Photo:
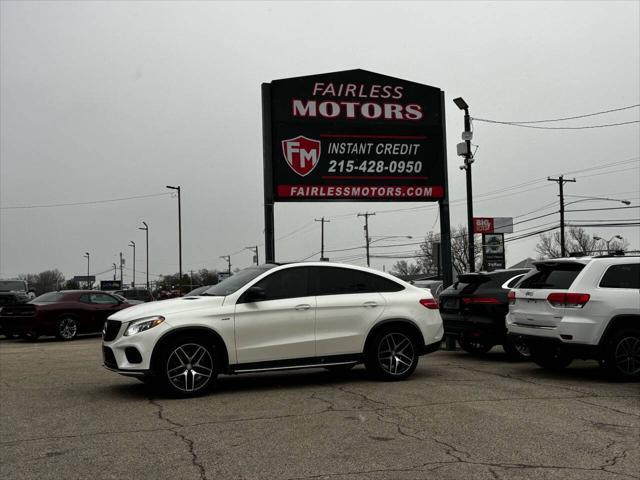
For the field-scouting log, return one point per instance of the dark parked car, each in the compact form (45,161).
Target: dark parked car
(139,294)
(64,314)
(474,308)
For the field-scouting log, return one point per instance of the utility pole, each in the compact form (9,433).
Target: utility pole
(191,276)
(133,244)
(228,259)
(366,216)
(121,276)
(115,269)
(255,251)
(561,181)
(465,151)
(146,229)
(178,188)
(322,222)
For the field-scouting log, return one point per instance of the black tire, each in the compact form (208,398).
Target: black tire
(622,355)
(30,336)
(187,366)
(392,354)
(516,350)
(340,369)
(550,358)
(474,347)
(67,328)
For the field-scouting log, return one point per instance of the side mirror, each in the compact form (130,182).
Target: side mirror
(254,294)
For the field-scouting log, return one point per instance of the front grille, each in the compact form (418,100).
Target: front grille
(109,358)
(111,329)
(19,310)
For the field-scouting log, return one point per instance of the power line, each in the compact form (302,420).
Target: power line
(583,127)
(570,118)
(86,203)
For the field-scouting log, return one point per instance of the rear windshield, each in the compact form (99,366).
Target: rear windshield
(50,297)
(556,276)
(481,282)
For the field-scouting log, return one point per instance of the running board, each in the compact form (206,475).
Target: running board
(296,364)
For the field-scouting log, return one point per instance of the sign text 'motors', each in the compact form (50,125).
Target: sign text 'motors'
(356,135)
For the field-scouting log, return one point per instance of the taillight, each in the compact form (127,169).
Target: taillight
(511,296)
(480,300)
(430,303)
(568,300)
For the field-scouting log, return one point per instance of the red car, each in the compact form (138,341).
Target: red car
(64,314)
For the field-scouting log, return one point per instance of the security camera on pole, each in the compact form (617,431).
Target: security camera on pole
(464,150)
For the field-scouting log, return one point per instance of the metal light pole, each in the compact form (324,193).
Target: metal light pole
(366,216)
(468,160)
(146,229)
(254,250)
(133,244)
(115,269)
(121,275)
(178,188)
(228,259)
(86,255)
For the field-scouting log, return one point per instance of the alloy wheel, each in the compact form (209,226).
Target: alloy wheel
(395,353)
(522,348)
(189,367)
(67,328)
(627,355)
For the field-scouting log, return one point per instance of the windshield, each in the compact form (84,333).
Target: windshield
(11,285)
(49,297)
(237,281)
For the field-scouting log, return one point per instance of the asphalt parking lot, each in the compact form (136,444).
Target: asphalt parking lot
(64,416)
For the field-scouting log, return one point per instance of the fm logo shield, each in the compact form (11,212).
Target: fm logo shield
(302,154)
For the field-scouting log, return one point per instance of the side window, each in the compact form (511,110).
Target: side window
(84,298)
(622,276)
(340,281)
(103,299)
(288,283)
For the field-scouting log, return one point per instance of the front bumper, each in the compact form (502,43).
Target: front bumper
(131,355)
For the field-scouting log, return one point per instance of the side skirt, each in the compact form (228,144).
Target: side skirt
(296,363)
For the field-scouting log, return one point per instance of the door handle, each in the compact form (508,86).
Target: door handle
(304,306)
(370,304)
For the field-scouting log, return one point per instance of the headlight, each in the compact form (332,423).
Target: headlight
(143,324)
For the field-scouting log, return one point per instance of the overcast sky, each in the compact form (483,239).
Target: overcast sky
(118,99)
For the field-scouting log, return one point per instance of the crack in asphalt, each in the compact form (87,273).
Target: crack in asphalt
(175,426)
(606,407)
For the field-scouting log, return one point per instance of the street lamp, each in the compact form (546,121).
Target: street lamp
(586,199)
(86,255)
(608,242)
(178,188)
(146,229)
(389,237)
(464,150)
(133,244)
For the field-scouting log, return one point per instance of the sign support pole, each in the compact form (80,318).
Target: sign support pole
(267,147)
(445,222)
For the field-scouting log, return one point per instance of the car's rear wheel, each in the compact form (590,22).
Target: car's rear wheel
(188,366)
(473,346)
(622,355)
(516,349)
(392,354)
(67,328)
(550,358)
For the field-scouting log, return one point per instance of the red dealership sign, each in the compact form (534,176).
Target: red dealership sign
(354,135)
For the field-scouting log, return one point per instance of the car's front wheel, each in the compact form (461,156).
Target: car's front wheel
(67,328)
(392,354)
(188,366)
(622,355)
(516,349)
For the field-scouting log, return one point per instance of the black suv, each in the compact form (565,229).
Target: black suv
(474,308)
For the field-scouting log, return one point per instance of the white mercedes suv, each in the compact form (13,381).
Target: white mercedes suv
(276,317)
(583,307)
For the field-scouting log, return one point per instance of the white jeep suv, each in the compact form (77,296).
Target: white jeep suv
(584,307)
(276,317)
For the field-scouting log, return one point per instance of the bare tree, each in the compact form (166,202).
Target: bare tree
(403,268)
(577,241)
(44,282)
(459,251)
